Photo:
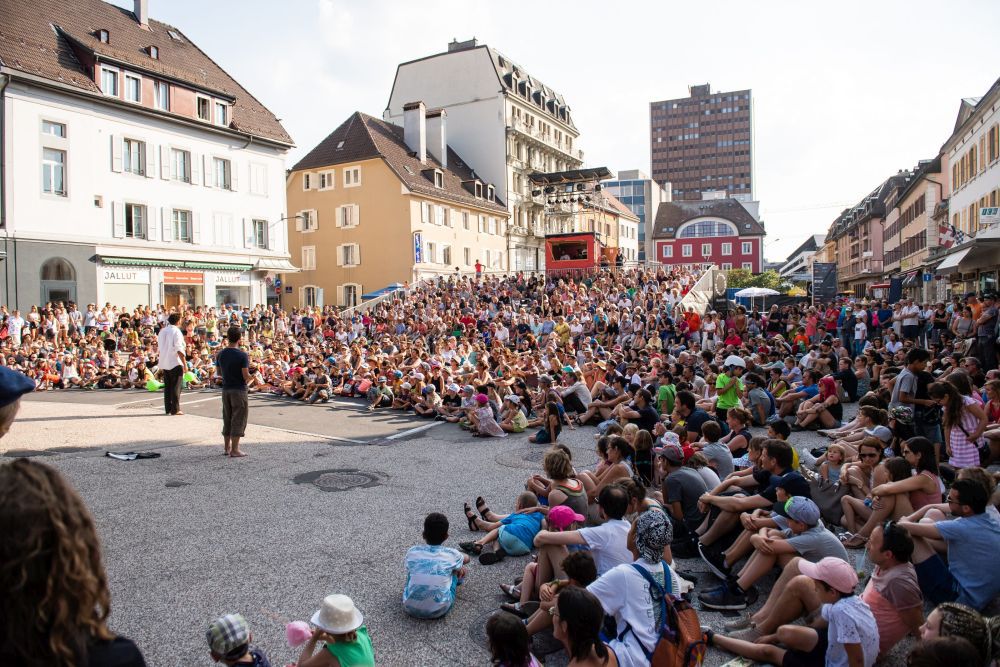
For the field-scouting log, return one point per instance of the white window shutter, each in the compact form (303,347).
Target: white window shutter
(150,159)
(165,163)
(207,171)
(118,220)
(195,168)
(340,255)
(247,233)
(152,226)
(340,295)
(298,221)
(355,215)
(341,214)
(319,297)
(196,228)
(302,297)
(268,236)
(357,254)
(234,170)
(116,153)
(314,219)
(165,221)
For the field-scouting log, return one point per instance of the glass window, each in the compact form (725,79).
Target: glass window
(222,173)
(727,248)
(686,250)
(54,172)
(161,95)
(706,228)
(55,129)
(109,82)
(181,225)
(134,156)
(260,234)
(180,165)
(706,249)
(135,221)
(221,113)
(747,247)
(133,88)
(204,109)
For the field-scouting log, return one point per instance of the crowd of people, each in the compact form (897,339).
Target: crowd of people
(695,417)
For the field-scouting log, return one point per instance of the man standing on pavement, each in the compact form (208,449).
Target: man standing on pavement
(170,342)
(234,367)
(986,331)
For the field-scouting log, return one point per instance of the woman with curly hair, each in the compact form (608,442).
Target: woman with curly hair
(56,600)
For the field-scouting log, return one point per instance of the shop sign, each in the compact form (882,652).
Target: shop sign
(231,278)
(418,251)
(126,275)
(989,215)
(183,278)
(288,289)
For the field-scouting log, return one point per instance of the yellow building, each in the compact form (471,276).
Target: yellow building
(376,204)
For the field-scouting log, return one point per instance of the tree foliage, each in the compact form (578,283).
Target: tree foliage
(741,278)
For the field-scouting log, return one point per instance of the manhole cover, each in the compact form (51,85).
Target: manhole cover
(530,458)
(341,479)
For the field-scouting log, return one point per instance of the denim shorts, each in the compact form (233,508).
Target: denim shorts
(511,543)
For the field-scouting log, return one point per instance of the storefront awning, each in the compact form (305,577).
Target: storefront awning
(174,264)
(951,262)
(217,266)
(276,265)
(911,278)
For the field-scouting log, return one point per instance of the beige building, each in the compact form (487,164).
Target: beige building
(376,204)
(910,231)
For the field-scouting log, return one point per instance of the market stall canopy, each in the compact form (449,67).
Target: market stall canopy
(751,292)
(278,265)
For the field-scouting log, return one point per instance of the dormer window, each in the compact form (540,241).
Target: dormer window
(489,193)
(438,178)
(154,52)
(103,36)
(479,190)
(174,36)
(222,114)
(204,109)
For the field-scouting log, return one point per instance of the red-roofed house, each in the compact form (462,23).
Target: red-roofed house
(716,231)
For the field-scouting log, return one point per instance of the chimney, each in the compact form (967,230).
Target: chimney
(141,11)
(415,128)
(437,137)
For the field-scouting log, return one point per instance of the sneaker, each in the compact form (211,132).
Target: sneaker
(723,598)
(715,560)
(471,548)
(752,595)
(748,635)
(492,557)
(741,623)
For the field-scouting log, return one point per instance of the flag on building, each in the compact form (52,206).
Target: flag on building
(945,236)
(958,235)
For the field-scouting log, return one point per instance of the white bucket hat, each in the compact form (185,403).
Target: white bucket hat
(338,615)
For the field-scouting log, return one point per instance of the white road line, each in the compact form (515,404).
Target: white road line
(159,398)
(418,429)
(314,435)
(210,398)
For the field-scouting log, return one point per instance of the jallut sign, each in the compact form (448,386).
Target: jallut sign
(824,277)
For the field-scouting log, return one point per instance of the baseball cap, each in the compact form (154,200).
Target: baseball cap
(228,635)
(560,517)
(453,387)
(883,433)
(834,572)
(469,389)
(802,509)
(482,399)
(733,360)
(673,454)
(513,398)
(13,385)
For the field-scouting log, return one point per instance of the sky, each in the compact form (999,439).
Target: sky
(845,94)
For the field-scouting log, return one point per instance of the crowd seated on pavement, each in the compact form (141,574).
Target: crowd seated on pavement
(879,536)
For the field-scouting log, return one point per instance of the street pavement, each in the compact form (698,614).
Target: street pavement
(328,501)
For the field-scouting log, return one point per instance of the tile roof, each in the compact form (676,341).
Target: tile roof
(615,206)
(872,206)
(52,38)
(671,215)
(363,137)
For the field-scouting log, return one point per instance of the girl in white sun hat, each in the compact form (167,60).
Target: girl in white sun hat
(340,625)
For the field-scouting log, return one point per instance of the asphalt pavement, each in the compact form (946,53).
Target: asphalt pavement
(328,501)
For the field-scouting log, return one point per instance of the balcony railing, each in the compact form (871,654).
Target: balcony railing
(547,140)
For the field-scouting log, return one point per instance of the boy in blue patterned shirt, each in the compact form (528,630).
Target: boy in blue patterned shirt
(433,572)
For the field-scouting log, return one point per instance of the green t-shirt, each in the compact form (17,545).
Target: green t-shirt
(730,398)
(666,392)
(358,653)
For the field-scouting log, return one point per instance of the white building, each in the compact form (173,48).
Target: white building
(798,266)
(643,196)
(135,170)
(506,124)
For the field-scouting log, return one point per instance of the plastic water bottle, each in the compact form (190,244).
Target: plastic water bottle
(862,565)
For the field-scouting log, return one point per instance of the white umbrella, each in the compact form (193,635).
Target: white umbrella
(752,292)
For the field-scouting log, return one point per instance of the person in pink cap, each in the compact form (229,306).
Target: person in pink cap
(844,634)
(484,423)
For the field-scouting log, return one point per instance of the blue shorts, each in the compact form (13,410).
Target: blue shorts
(936,581)
(543,437)
(511,543)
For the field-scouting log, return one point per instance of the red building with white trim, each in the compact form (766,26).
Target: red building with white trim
(718,231)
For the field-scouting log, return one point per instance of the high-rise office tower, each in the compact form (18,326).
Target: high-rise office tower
(704,143)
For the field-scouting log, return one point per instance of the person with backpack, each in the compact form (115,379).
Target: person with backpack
(640,595)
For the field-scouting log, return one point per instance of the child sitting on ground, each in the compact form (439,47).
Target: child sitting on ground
(509,643)
(433,572)
(830,470)
(229,642)
(513,533)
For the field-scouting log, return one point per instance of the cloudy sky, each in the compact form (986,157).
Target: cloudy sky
(845,93)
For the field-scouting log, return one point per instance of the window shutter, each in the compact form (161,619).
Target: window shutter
(118,220)
(165,221)
(298,221)
(152,227)
(165,163)
(195,168)
(341,214)
(196,228)
(340,255)
(268,237)
(357,254)
(234,171)
(319,297)
(150,159)
(314,219)
(355,214)
(340,296)
(247,233)
(116,153)
(207,171)
(302,297)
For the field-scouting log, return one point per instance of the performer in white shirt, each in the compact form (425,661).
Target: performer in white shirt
(172,362)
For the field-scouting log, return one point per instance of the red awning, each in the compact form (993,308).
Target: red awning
(881,286)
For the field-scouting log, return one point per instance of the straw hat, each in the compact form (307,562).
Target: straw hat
(338,615)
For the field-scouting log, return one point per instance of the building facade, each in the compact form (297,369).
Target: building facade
(717,231)
(506,123)
(972,153)
(798,266)
(135,170)
(703,142)
(643,196)
(375,204)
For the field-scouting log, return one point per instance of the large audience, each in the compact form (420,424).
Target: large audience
(881,534)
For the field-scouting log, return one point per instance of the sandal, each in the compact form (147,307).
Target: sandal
(512,591)
(854,541)
(482,508)
(471,516)
(523,610)
(491,557)
(471,548)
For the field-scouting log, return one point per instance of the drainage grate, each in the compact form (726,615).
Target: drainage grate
(341,479)
(530,458)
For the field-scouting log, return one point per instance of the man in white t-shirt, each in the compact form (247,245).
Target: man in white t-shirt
(608,542)
(911,320)
(15,325)
(628,596)
(170,342)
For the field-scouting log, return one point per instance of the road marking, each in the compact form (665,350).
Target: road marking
(160,399)
(418,429)
(210,398)
(335,438)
